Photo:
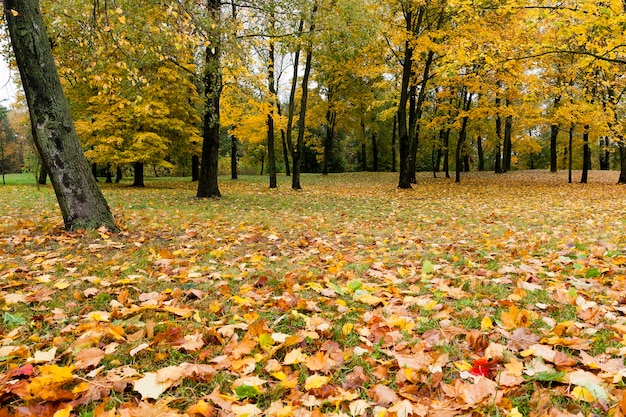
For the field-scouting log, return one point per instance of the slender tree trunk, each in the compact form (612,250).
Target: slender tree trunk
(419,106)
(207,184)
(285,153)
(467,102)
(498,161)
(394,167)
(292,103)
(446,152)
(374,153)
(481,155)
(507,147)
(109,179)
(195,168)
(554,133)
(331,117)
(118,175)
(94,171)
(570,148)
(297,154)
(586,156)
(138,175)
(82,204)
(43,176)
(233,158)
(605,155)
(622,161)
(363,144)
(271,150)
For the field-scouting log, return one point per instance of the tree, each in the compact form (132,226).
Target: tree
(207,184)
(82,204)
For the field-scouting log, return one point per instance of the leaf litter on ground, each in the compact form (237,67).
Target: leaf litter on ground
(503,295)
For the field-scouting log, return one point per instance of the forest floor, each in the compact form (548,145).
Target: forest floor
(504,295)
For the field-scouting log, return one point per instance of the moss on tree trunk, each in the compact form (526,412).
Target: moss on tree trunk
(82,204)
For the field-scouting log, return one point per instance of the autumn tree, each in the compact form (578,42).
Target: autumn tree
(82,204)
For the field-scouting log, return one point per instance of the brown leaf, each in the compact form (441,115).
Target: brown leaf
(88,358)
(382,395)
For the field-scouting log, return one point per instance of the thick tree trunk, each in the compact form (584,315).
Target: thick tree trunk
(138,175)
(118,175)
(195,168)
(207,184)
(403,133)
(554,133)
(109,178)
(82,204)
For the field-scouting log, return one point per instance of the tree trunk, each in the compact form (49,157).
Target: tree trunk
(481,155)
(554,133)
(446,152)
(207,184)
(292,100)
(331,118)
(467,102)
(271,150)
(419,106)
(94,171)
(109,179)
(394,167)
(363,144)
(507,146)
(297,154)
(622,161)
(605,155)
(43,176)
(195,168)
(233,158)
(118,175)
(586,156)
(374,153)
(138,175)
(571,153)
(82,204)
(498,161)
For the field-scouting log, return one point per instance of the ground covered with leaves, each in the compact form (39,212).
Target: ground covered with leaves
(501,296)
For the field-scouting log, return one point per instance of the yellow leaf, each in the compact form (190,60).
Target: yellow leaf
(347,329)
(515,413)
(294,357)
(280,375)
(463,365)
(583,394)
(368,299)
(64,412)
(316,381)
(486,324)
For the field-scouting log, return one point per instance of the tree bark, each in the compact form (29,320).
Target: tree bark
(446,152)
(195,168)
(394,167)
(467,103)
(43,176)
(207,184)
(374,153)
(138,175)
(331,118)
(586,156)
(507,146)
(299,148)
(569,148)
(622,161)
(233,158)
(481,155)
(554,133)
(498,161)
(271,150)
(82,204)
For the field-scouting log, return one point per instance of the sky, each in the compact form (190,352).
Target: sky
(7,84)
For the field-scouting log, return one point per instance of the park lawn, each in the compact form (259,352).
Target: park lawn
(503,296)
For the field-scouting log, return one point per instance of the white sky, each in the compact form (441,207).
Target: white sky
(7,84)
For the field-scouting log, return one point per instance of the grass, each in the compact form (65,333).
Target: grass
(440,258)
